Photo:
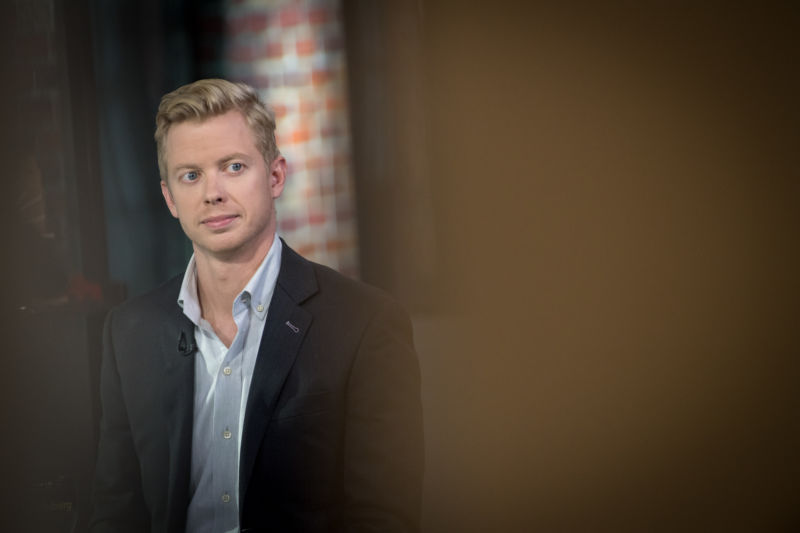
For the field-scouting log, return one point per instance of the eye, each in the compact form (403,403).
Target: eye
(189,176)
(235,167)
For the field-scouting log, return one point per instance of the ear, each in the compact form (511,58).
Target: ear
(168,199)
(277,176)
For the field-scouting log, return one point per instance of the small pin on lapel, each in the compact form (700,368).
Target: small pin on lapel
(293,327)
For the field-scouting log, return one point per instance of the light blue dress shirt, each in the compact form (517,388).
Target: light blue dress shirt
(222,380)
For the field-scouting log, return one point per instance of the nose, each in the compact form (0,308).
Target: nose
(215,189)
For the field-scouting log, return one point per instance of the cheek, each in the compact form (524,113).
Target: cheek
(187,228)
(186,203)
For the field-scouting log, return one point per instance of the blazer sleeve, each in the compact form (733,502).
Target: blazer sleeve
(119,505)
(383,453)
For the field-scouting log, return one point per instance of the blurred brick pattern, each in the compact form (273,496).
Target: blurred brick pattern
(293,53)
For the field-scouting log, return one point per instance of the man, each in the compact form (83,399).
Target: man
(258,391)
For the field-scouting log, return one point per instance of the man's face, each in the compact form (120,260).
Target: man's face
(219,187)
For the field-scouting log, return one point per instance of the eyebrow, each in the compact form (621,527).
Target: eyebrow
(236,155)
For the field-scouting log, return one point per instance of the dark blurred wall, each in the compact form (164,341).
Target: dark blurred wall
(54,265)
(617,205)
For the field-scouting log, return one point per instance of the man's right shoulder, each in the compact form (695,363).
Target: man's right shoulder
(153,305)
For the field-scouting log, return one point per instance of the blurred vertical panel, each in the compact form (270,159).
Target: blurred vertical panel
(397,220)
(140,50)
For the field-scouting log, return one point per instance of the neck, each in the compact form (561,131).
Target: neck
(221,279)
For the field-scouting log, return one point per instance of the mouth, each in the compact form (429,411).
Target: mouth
(219,221)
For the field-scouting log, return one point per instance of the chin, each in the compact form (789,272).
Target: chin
(219,247)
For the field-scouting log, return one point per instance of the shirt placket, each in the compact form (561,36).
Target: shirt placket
(227,400)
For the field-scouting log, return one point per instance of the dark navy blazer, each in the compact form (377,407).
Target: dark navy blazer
(332,436)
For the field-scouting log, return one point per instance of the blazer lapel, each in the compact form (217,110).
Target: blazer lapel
(178,401)
(284,331)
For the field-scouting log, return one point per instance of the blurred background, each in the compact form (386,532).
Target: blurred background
(591,211)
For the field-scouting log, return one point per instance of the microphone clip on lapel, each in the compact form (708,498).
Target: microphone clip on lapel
(186,347)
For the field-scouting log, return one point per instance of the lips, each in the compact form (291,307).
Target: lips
(219,221)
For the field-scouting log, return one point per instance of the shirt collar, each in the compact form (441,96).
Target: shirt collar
(256,294)
(261,286)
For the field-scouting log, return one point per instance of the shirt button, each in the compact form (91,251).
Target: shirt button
(227,371)
(259,308)
(226,498)
(226,434)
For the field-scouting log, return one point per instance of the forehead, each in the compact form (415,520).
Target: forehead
(208,138)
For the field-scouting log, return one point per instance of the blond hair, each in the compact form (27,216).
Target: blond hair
(209,98)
